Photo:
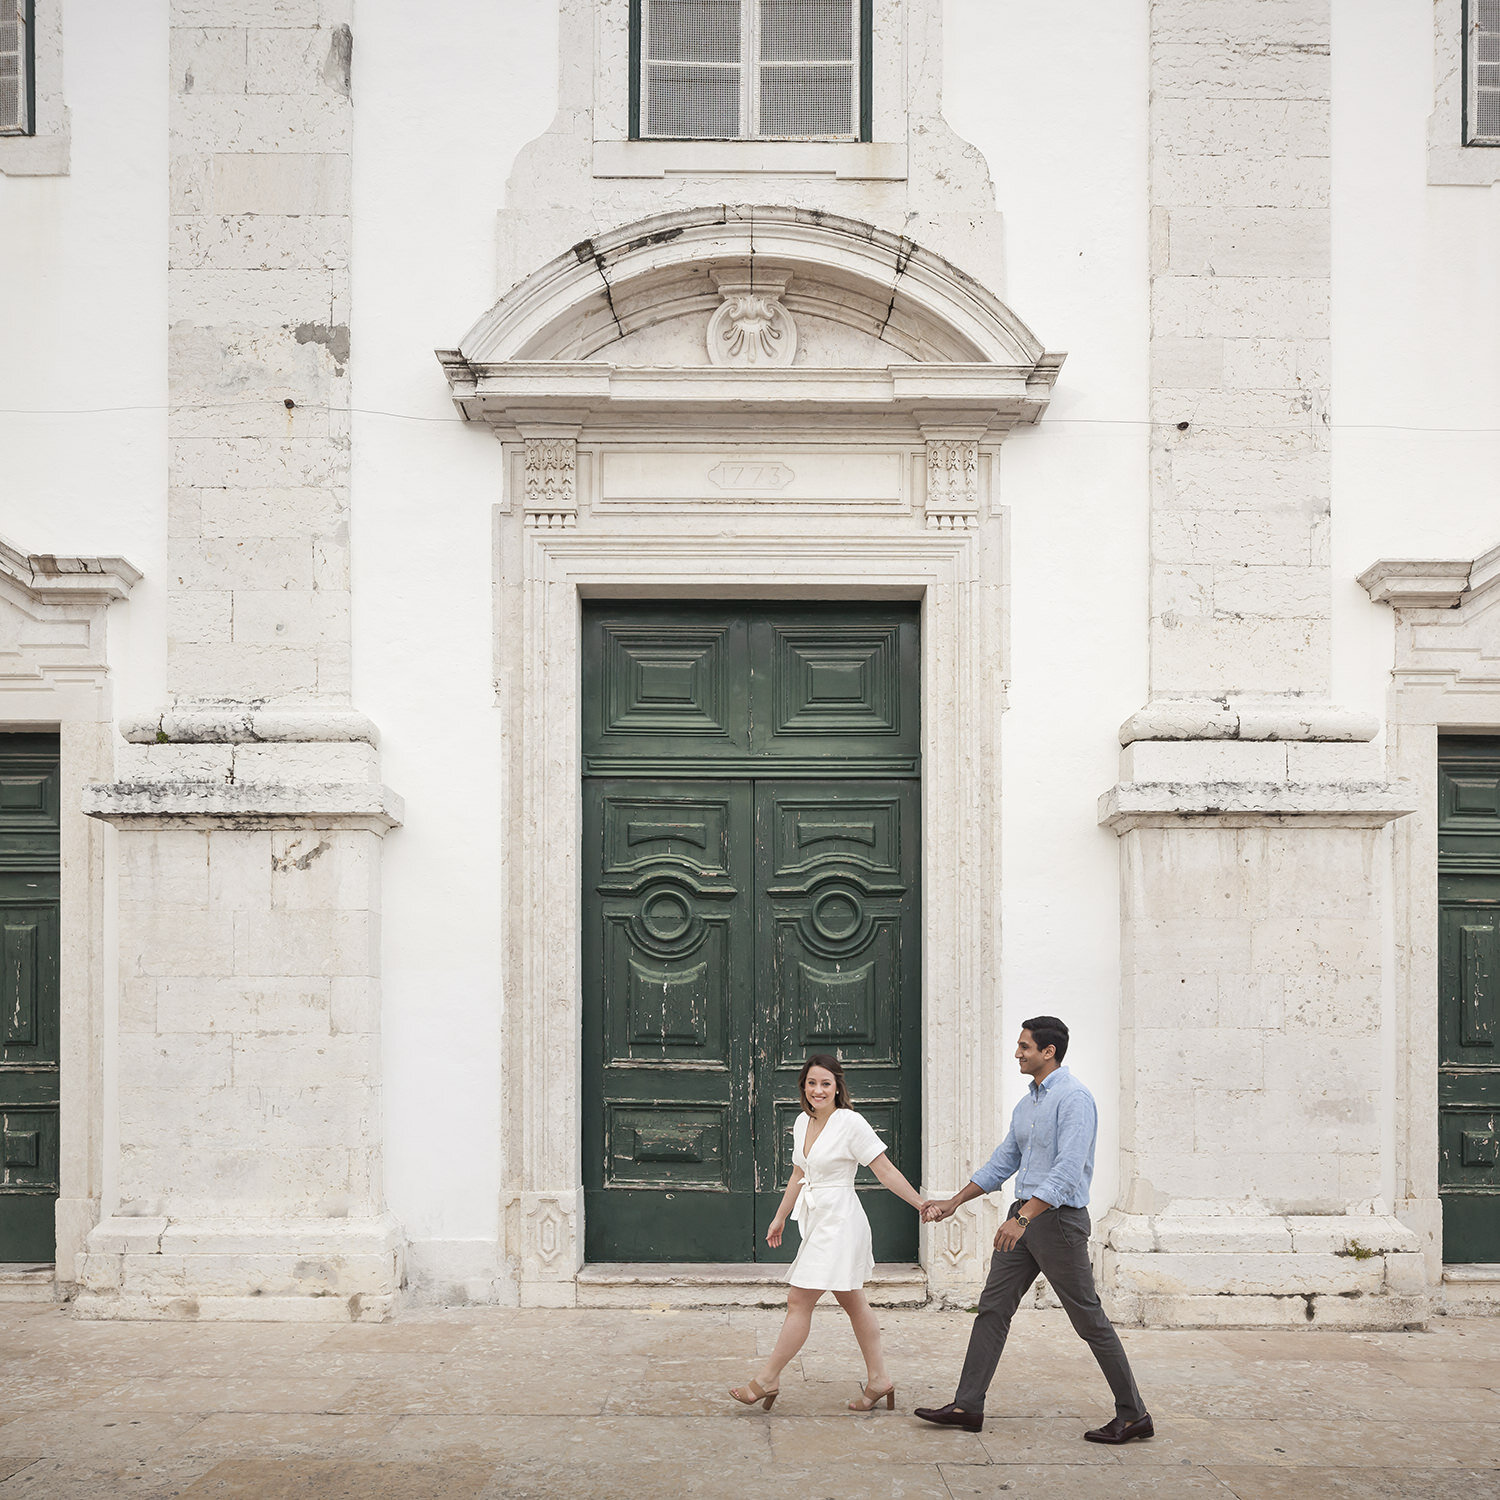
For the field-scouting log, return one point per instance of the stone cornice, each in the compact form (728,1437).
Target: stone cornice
(169,803)
(50,579)
(994,398)
(1422,583)
(1249,804)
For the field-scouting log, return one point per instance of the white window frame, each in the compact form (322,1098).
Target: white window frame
(45,151)
(18,12)
(749,66)
(1451,161)
(1472,136)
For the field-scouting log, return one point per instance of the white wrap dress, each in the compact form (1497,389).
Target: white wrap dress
(836,1255)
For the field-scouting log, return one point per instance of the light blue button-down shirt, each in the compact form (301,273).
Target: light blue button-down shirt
(1050,1147)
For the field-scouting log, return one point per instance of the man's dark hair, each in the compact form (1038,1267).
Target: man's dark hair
(1048,1031)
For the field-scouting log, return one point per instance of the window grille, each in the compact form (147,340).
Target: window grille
(15,67)
(751,69)
(1482,73)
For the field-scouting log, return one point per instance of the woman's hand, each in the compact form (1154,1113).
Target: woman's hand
(773,1234)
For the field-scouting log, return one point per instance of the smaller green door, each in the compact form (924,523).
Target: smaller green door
(1469,998)
(28,998)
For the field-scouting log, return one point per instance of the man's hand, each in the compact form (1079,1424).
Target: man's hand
(934,1212)
(1009,1234)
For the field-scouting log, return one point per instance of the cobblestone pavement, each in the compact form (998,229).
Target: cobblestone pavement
(492,1403)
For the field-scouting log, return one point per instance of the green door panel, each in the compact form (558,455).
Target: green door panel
(750,868)
(667,993)
(29,1041)
(837,934)
(1469,997)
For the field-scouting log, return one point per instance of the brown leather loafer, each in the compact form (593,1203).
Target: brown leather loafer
(950,1416)
(1118,1430)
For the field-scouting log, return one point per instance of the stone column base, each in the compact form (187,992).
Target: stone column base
(265,1271)
(1356,1271)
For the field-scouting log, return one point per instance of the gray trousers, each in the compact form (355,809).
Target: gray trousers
(1056,1245)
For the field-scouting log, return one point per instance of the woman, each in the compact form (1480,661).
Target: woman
(830,1142)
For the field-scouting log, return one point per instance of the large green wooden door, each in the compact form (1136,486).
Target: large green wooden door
(1469,997)
(28,997)
(750,897)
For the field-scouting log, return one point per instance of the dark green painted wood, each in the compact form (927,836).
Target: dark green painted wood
(1469,997)
(837,935)
(756,903)
(866,70)
(29,1016)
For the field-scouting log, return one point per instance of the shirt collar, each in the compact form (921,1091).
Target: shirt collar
(1050,1079)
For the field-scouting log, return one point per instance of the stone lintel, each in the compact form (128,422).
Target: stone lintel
(1251,804)
(204,804)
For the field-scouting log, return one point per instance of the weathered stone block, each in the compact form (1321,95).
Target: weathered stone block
(1284,364)
(299,60)
(241,563)
(259,242)
(325,872)
(1239,182)
(1249,655)
(289,617)
(1226,126)
(1296,592)
(1202,760)
(180,1060)
(293,1061)
(1246,1274)
(316,761)
(283,513)
(284,183)
(276,124)
(285,1003)
(1187,363)
(215,299)
(1187,945)
(1254,70)
(1280,478)
(161,941)
(1269,23)
(243,672)
(1240,536)
(208,60)
(355,1004)
(198,617)
(239,865)
(306,942)
(246,12)
(1279,307)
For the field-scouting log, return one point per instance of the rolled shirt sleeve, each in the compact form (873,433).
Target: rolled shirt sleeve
(1001,1165)
(1077,1121)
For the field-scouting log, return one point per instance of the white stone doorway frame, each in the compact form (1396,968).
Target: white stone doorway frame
(958,579)
(1445,680)
(54,679)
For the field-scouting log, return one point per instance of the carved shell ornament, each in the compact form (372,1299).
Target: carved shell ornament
(751,327)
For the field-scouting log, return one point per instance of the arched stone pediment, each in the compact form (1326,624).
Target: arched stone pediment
(783,307)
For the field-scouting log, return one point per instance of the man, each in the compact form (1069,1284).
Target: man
(1050,1151)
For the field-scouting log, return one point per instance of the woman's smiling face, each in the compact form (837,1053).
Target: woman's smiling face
(820,1089)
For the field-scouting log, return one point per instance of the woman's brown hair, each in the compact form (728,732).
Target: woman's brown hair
(834,1066)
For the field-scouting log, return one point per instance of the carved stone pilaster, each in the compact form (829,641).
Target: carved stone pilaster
(551,466)
(952,484)
(751,327)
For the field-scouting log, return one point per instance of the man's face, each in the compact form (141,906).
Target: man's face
(1032,1060)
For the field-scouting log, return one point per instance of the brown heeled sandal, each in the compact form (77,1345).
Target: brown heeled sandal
(758,1393)
(869,1400)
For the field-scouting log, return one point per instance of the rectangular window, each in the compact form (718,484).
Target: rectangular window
(1482,73)
(16,68)
(750,69)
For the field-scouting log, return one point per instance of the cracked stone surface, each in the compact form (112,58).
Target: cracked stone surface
(489,1403)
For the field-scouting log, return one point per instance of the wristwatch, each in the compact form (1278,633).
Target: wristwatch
(1022,1220)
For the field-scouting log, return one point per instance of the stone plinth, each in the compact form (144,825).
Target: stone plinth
(248,1168)
(1251,1040)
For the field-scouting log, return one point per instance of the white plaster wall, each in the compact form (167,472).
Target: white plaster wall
(1074,199)
(1416,335)
(83,347)
(440,111)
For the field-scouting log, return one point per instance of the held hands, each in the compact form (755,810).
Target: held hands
(934,1212)
(773,1234)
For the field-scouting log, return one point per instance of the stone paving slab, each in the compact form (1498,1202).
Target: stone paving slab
(506,1405)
